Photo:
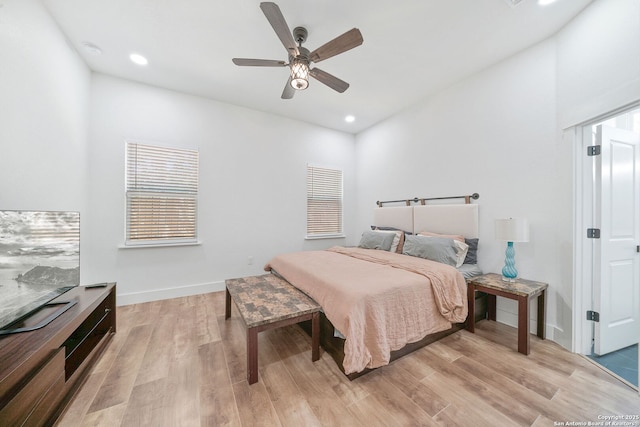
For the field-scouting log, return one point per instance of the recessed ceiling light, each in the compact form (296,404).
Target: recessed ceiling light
(545,2)
(349,119)
(92,48)
(138,59)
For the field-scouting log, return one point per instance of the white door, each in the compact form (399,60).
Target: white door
(617,275)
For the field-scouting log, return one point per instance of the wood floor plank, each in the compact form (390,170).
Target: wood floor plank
(155,363)
(164,368)
(543,421)
(182,397)
(516,392)
(123,373)
(207,319)
(485,393)
(290,341)
(291,407)
(254,406)
(414,367)
(234,340)
(412,387)
(79,406)
(458,415)
(371,413)
(217,402)
(510,363)
(107,417)
(267,351)
(146,404)
(609,397)
(464,403)
(317,391)
(395,408)
(347,391)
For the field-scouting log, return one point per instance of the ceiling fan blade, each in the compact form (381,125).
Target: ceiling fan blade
(277,21)
(288,91)
(343,43)
(258,62)
(331,81)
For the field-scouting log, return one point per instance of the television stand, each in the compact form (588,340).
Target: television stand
(41,369)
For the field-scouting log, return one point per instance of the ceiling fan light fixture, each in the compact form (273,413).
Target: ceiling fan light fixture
(299,74)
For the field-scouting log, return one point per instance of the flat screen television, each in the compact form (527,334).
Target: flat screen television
(39,261)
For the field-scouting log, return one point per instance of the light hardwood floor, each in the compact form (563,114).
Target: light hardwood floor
(179,363)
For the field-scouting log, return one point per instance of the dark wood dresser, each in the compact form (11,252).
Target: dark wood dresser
(40,370)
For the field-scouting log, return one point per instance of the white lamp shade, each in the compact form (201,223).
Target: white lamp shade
(512,230)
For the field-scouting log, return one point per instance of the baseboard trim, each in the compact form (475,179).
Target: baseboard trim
(168,293)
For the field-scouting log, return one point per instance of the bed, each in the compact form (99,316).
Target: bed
(388,297)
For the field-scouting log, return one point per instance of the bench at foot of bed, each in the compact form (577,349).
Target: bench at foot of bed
(269,302)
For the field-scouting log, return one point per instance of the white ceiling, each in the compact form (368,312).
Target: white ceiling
(411,49)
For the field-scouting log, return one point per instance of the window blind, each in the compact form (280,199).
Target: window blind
(162,194)
(324,202)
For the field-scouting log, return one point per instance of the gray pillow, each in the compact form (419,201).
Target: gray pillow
(373,240)
(472,253)
(434,248)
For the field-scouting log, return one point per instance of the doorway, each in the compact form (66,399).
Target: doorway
(607,317)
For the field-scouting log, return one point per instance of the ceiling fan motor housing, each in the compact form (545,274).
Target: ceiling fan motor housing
(300,35)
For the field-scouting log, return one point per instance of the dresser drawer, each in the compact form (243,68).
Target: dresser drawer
(34,402)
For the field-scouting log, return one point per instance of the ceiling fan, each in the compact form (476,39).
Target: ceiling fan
(299,57)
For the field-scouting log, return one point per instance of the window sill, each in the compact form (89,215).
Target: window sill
(159,245)
(326,236)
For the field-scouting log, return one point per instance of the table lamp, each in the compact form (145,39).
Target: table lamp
(511,230)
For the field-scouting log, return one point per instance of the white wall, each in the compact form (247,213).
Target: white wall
(44,99)
(599,61)
(252,187)
(499,133)
(494,134)
(598,72)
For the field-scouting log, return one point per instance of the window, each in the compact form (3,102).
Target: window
(324,202)
(162,195)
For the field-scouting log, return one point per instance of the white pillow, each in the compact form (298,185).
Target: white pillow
(461,252)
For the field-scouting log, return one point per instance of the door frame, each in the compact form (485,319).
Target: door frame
(584,215)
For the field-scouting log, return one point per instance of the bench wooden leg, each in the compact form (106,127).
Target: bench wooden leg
(227,306)
(471,313)
(315,336)
(252,355)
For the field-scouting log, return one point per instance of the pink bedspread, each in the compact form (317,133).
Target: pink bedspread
(380,301)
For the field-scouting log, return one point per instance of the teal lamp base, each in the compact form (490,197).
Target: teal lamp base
(509,272)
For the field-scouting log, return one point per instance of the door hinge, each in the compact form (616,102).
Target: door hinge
(593,315)
(593,150)
(593,233)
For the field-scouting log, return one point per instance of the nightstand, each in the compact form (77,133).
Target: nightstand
(521,290)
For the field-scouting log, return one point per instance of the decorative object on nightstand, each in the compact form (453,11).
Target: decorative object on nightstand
(511,230)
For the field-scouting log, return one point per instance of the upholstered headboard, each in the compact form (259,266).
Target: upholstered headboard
(444,219)
(400,217)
